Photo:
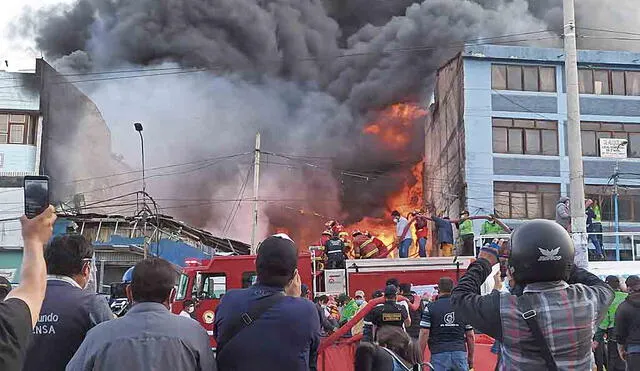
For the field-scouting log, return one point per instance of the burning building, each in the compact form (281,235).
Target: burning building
(338,90)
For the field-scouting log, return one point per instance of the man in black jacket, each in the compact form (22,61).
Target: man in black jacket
(628,325)
(565,301)
(414,329)
(68,311)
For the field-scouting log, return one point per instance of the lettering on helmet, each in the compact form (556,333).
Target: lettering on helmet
(549,255)
(391,317)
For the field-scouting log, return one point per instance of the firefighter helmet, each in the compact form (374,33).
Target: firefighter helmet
(327,233)
(343,234)
(356,233)
(541,251)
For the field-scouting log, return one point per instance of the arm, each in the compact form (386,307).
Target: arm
(33,283)
(423,340)
(315,341)
(603,293)
(367,331)
(622,352)
(405,317)
(470,338)
(482,312)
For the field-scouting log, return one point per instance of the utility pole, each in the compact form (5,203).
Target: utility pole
(616,222)
(578,217)
(256,187)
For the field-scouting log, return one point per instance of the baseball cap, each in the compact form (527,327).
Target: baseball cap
(359,293)
(390,290)
(277,257)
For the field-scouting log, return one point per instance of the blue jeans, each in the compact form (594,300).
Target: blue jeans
(593,238)
(450,361)
(422,247)
(403,250)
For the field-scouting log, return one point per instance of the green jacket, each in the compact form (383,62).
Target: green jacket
(349,310)
(596,210)
(466,227)
(491,228)
(608,323)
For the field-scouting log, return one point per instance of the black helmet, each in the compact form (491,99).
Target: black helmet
(541,251)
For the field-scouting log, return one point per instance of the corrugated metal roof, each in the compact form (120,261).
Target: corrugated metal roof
(19,91)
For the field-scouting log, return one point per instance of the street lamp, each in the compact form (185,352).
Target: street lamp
(138,127)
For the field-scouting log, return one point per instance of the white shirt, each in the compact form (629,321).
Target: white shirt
(185,314)
(400,227)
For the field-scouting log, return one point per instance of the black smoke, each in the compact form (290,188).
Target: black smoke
(308,74)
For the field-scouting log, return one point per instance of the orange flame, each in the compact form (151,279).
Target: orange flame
(393,125)
(405,201)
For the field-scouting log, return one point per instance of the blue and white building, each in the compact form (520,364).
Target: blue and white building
(496,138)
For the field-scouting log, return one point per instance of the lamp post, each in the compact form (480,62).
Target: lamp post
(138,127)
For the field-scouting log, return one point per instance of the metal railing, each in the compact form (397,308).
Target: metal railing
(627,246)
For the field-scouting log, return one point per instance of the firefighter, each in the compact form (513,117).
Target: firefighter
(335,253)
(367,247)
(422,231)
(321,258)
(334,226)
(348,246)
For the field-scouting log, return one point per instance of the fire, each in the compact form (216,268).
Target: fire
(406,200)
(393,125)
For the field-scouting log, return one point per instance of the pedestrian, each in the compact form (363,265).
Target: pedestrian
(627,331)
(68,311)
(465,230)
(5,287)
(403,234)
(445,233)
(348,306)
(607,326)
(387,314)
(359,297)
(554,295)
(395,352)
(396,283)
(149,336)
(591,229)
(450,338)
(597,222)
(414,329)
(261,328)
(422,232)
(335,253)
(188,309)
(327,324)
(490,227)
(20,309)
(563,213)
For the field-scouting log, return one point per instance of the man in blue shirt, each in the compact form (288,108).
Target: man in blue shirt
(287,334)
(149,336)
(451,341)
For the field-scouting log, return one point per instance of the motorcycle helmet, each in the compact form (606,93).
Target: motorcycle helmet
(541,251)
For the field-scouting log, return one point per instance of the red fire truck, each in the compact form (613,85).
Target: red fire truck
(206,282)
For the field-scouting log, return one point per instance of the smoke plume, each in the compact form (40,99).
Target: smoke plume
(307,74)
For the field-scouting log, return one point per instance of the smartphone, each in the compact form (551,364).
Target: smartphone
(36,195)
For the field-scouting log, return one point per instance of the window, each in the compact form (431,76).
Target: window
(210,286)
(530,137)
(527,78)
(606,82)
(16,128)
(182,287)
(248,279)
(591,132)
(525,200)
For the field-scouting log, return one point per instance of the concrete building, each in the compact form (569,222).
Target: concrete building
(48,126)
(496,138)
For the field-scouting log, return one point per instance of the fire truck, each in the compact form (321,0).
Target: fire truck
(205,282)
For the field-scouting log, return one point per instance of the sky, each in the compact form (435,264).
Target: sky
(20,54)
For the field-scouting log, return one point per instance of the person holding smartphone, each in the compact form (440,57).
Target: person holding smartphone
(20,310)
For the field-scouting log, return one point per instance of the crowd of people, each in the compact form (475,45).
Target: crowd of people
(338,245)
(550,314)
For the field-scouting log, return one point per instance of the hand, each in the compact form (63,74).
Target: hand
(594,345)
(294,288)
(39,229)
(497,281)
